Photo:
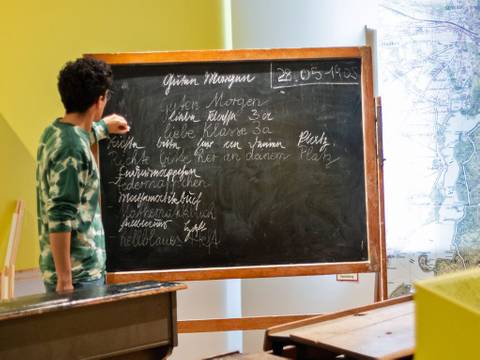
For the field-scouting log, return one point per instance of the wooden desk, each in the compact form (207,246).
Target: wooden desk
(123,321)
(383,330)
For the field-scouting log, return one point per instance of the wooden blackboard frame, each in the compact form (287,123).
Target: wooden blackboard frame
(371,170)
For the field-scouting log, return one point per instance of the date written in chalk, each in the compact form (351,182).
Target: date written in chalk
(293,75)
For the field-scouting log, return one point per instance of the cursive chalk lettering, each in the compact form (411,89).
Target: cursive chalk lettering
(308,153)
(203,156)
(214,78)
(171,132)
(123,143)
(179,157)
(194,229)
(225,118)
(213,130)
(169,198)
(131,158)
(148,238)
(253,155)
(180,211)
(307,138)
(176,116)
(169,174)
(129,223)
(259,144)
(183,105)
(167,144)
(172,80)
(239,102)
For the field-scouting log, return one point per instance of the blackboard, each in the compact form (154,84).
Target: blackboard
(239,164)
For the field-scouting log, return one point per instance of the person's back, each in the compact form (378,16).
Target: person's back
(67,197)
(72,244)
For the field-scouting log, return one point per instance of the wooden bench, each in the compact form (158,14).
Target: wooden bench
(383,330)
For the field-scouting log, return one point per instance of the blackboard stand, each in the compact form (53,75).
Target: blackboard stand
(290,69)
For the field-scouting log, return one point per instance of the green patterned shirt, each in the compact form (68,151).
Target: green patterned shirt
(67,199)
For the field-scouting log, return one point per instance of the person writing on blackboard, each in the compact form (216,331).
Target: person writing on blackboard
(72,244)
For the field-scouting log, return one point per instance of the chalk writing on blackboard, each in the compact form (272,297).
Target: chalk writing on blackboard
(288,75)
(233,164)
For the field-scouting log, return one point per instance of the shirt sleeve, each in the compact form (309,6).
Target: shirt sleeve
(64,192)
(99,132)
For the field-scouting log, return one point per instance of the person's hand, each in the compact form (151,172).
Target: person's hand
(64,286)
(116,124)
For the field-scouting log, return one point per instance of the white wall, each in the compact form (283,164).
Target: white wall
(300,23)
(300,295)
(206,300)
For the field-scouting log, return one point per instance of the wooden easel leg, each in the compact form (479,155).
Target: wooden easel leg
(4,283)
(11,282)
(377,289)
(8,274)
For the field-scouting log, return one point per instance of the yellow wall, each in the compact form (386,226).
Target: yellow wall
(17,182)
(37,37)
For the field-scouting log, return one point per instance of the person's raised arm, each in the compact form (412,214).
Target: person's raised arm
(111,124)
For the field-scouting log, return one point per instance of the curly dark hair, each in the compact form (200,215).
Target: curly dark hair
(82,82)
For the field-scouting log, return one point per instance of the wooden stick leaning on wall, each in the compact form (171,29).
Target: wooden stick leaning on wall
(381,286)
(382,274)
(18,234)
(8,273)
